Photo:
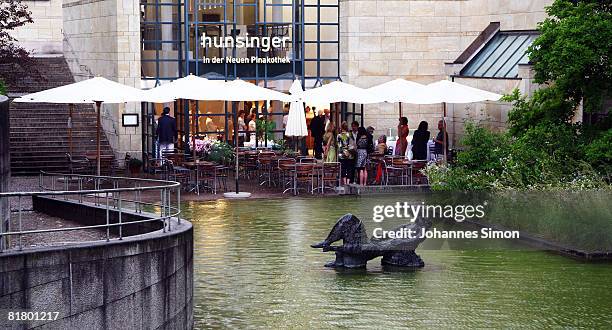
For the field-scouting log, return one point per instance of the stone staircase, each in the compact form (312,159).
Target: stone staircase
(39,133)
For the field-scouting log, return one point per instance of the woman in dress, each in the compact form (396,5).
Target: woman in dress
(329,144)
(362,155)
(419,142)
(346,153)
(402,132)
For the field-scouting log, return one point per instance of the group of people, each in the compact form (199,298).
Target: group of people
(350,146)
(353,146)
(420,138)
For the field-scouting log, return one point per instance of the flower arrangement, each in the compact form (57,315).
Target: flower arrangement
(213,150)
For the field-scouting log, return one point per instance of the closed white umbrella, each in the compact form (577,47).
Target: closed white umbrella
(96,90)
(338,91)
(296,121)
(445,91)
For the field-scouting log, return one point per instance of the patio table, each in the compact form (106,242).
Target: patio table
(196,166)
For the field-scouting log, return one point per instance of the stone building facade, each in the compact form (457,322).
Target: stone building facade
(387,39)
(379,40)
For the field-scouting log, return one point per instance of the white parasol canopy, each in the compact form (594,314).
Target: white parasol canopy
(445,91)
(401,90)
(338,91)
(240,90)
(96,90)
(188,88)
(92,90)
(296,121)
(452,92)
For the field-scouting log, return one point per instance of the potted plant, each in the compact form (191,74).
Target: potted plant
(135,165)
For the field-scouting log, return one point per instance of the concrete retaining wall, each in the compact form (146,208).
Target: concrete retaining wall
(142,282)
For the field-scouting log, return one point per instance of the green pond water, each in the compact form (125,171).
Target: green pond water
(254,268)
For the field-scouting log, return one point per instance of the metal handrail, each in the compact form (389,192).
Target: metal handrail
(166,208)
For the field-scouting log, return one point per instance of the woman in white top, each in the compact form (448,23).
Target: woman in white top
(253,128)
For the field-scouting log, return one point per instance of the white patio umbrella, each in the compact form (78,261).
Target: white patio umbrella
(445,91)
(96,90)
(338,91)
(188,88)
(240,90)
(296,121)
(401,90)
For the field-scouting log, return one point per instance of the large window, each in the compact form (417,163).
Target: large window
(181,37)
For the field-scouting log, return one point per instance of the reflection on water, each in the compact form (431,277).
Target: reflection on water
(254,268)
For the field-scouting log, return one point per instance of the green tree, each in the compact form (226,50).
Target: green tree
(13,14)
(573,51)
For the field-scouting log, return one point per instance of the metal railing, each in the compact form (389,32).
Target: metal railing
(116,195)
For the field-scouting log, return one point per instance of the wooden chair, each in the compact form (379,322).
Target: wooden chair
(264,167)
(330,176)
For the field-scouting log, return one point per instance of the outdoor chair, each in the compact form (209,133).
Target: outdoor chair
(391,172)
(249,164)
(308,160)
(155,166)
(222,176)
(417,176)
(406,170)
(285,168)
(330,176)
(304,174)
(176,173)
(78,166)
(265,165)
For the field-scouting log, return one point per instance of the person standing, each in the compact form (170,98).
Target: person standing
(166,131)
(419,142)
(362,155)
(329,148)
(252,128)
(402,133)
(346,153)
(327,118)
(439,141)
(242,127)
(317,127)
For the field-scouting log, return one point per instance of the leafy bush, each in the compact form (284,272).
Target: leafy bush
(547,156)
(547,105)
(599,153)
(2,88)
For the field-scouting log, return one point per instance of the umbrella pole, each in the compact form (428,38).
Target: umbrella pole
(236,144)
(70,107)
(193,138)
(400,109)
(98,106)
(444,128)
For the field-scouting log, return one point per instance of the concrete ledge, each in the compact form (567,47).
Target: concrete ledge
(354,189)
(144,281)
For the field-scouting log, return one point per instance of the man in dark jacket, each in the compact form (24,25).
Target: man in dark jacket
(317,127)
(166,131)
